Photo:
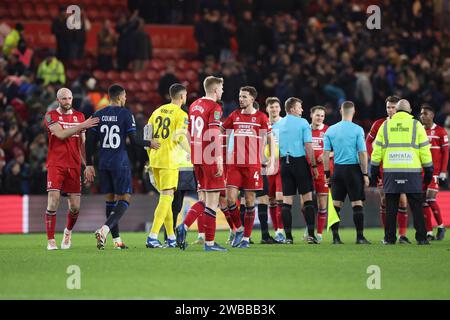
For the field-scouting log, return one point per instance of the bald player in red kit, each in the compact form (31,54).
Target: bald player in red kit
(402,216)
(66,138)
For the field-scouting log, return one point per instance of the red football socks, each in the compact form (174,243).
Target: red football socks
(227,215)
(209,218)
(235,214)
(402,220)
(436,211)
(71,219)
(279,216)
(273,216)
(249,220)
(321,220)
(428,218)
(50,224)
(193,213)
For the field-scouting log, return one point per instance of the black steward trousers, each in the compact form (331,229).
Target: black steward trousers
(415,201)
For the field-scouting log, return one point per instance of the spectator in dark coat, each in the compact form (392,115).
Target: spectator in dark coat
(166,81)
(125,28)
(209,34)
(142,45)
(62,35)
(248,35)
(13,179)
(106,40)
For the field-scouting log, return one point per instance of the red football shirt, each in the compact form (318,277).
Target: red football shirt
(204,129)
(250,131)
(373,134)
(64,153)
(317,145)
(439,148)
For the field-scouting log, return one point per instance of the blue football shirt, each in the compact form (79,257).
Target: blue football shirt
(112,130)
(292,133)
(346,139)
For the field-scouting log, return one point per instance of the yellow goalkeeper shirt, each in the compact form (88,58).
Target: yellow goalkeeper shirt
(169,123)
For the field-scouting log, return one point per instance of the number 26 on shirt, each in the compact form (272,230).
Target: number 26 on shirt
(112,137)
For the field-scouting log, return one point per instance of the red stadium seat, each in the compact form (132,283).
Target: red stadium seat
(157,64)
(196,65)
(41,12)
(99,75)
(142,97)
(139,76)
(53,11)
(148,86)
(194,86)
(182,64)
(15,12)
(93,13)
(180,75)
(72,74)
(112,75)
(4,12)
(191,76)
(126,76)
(152,75)
(131,86)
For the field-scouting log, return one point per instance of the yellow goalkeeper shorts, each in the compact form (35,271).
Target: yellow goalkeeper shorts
(165,179)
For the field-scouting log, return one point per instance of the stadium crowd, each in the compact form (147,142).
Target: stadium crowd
(320,51)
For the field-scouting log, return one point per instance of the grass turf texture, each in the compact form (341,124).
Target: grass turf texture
(298,271)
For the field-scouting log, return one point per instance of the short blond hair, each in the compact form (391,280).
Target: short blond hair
(210,82)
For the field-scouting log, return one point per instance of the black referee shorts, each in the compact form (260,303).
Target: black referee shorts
(348,180)
(186,181)
(265,190)
(295,176)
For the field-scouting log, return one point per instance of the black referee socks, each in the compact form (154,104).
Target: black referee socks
(286,215)
(310,217)
(335,226)
(358,219)
(262,215)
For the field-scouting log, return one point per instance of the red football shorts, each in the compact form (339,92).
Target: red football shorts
(434,184)
(275,184)
(67,180)
(247,178)
(206,179)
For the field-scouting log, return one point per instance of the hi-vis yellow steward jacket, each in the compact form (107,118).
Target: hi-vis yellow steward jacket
(402,146)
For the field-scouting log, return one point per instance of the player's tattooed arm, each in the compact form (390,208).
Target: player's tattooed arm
(62,134)
(83,148)
(142,143)
(148,138)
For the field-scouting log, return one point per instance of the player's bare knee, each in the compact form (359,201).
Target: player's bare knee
(307,196)
(110,197)
(263,200)
(357,203)
(272,201)
(53,200)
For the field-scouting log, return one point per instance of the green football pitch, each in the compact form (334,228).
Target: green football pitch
(298,271)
